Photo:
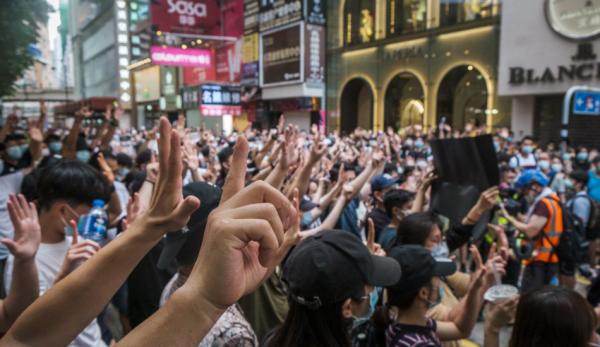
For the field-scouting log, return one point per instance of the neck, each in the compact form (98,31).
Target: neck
(379,205)
(415,315)
(395,222)
(49,233)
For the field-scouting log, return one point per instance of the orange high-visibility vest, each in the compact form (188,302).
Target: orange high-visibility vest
(544,249)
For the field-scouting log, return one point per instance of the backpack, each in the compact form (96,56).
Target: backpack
(572,248)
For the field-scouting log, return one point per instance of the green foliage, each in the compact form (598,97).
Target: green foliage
(20,21)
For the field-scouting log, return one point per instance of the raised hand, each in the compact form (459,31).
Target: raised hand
(78,253)
(190,156)
(489,198)
(105,169)
(478,276)
(373,247)
(35,131)
(317,151)
(496,266)
(243,236)
(168,211)
(133,208)
(27,236)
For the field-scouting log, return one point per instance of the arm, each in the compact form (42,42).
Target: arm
(359,182)
(228,265)
(36,136)
(70,147)
(24,286)
(277,175)
(332,218)
(261,155)
(532,228)
(419,203)
(463,324)
(302,180)
(103,274)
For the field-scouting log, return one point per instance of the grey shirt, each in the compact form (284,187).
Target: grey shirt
(581,207)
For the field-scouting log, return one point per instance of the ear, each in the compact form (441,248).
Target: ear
(347,309)
(396,210)
(424,293)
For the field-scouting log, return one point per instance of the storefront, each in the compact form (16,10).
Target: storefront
(559,49)
(400,63)
(147,88)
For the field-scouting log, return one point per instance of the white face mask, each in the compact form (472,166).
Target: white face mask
(440,250)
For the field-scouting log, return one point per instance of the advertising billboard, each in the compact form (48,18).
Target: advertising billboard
(281,53)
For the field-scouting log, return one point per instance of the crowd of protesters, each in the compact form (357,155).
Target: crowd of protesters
(288,237)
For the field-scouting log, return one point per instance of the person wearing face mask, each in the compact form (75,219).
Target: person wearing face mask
(54,144)
(380,185)
(417,291)
(11,155)
(330,278)
(544,225)
(398,205)
(525,158)
(83,152)
(594,180)
(65,192)
(582,160)
(581,206)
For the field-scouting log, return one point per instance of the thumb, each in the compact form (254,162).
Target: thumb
(75,236)
(10,244)
(371,235)
(185,209)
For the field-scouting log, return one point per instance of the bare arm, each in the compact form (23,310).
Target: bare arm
(70,147)
(302,180)
(332,218)
(532,228)
(277,175)
(24,287)
(103,274)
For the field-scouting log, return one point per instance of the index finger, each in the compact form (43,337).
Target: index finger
(259,192)
(164,143)
(75,236)
(236,177)
(476,257)
(371,235)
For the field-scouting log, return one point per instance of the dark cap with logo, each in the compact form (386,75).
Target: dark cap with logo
(333,266)
(419,266)
(182,247)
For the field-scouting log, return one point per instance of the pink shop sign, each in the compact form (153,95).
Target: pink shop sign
(181,57)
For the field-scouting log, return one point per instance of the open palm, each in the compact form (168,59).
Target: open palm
(27,228)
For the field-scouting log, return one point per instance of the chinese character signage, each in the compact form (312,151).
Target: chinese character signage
(315,55)
(250,16)
(213,94)
(281,56)
(315,12)
(190,97)
(586,103)
(198,17)
(275,13)
(180,57)
(186,16)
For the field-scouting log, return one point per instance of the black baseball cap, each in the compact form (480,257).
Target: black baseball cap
(335,265)
(182,247)
(419,266)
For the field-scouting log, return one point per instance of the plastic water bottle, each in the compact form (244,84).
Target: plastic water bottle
(94,225)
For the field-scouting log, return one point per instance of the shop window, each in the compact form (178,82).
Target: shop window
(359,21)
(406,16)
(460,11)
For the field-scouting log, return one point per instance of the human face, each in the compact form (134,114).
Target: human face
(435,237)
(358,308)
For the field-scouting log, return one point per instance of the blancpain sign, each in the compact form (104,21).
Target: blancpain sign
(547,46)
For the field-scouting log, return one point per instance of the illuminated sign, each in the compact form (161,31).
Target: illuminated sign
(180,57)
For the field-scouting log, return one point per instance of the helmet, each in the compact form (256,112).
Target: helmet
(530,176)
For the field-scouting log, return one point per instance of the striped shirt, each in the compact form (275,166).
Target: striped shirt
(404,335)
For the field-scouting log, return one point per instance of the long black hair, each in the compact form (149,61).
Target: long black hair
(553,317)
(305,327)
(415,228)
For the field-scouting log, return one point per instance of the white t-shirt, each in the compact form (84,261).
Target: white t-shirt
(49,259)
(9,184)
(518,161)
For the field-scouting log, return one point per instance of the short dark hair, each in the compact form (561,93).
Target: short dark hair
(73,181)
(415,228)
(124,160)
(396,198)
(596,159)
(403,298)
(224,154)
(143,157)
(541,319)
(579,176)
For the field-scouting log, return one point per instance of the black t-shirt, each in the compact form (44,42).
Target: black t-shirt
(380,220)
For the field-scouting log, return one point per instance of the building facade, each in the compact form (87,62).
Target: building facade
(394,63)
(559,49)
